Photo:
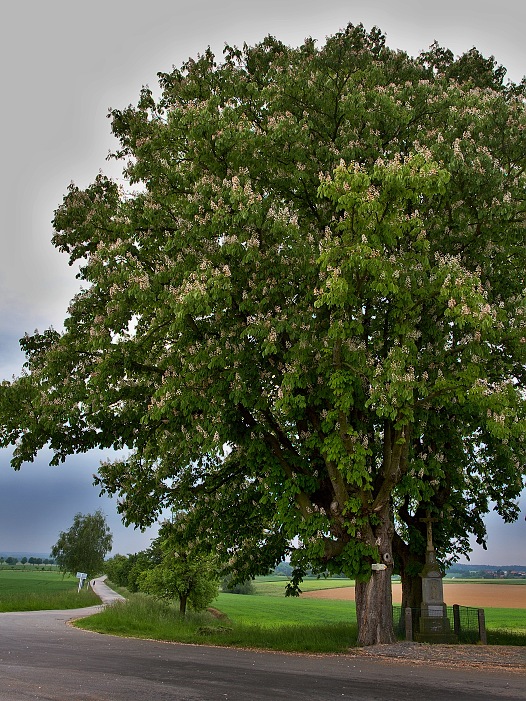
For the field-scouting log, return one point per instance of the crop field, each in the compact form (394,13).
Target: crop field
(476,594)
(34,590)
(20,581)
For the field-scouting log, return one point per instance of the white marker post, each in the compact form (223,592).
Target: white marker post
(81,576)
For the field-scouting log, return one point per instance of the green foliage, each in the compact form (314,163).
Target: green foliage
(246,587)
(183,573)
(283,568)
(184,579)
(84,546)
(116,568)
(305,319)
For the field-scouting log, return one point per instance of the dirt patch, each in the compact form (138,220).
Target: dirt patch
(216,613)
(479,595)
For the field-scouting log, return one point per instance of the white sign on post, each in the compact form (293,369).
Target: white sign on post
(81,577)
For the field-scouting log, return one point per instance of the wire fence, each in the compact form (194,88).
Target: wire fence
(467,624)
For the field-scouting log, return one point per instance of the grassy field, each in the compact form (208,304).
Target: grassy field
(34,590)
(268,620)
(270,610)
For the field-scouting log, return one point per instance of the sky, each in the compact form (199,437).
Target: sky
(63,64)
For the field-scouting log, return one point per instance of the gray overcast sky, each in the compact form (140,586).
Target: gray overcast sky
(63,64)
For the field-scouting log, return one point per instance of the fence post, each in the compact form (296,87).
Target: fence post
(408,625)
(456,619)
(482,627)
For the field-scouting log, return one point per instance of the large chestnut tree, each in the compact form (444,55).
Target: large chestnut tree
(304,319)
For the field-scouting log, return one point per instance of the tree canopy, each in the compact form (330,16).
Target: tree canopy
(83,547)
(305,317)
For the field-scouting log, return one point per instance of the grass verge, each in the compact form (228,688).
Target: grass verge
(144,617)
(506,637)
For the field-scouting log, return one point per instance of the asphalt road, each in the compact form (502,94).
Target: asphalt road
(44,659)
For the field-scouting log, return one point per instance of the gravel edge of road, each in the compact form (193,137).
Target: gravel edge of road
(507,657)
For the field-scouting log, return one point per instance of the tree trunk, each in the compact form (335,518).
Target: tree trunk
(374,602)
(411,590)
(410,565)
(182,604)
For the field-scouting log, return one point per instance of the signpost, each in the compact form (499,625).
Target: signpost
(81,576)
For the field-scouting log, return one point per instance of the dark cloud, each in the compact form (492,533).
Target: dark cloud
(505,543)
(39,501)
(11,357)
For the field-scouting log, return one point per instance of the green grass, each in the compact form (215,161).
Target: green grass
(267,620)
(513,620)
(275,586)
(144,617)
(33,590)
(506,637)
(270,610)
(262,622)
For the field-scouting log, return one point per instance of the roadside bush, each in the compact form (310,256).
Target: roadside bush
(246,587)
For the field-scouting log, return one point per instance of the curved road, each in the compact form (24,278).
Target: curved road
(43,659)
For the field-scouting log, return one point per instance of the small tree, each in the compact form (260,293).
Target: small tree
(84,546)
(185,573)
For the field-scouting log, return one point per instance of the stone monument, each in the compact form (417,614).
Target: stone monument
(434,623)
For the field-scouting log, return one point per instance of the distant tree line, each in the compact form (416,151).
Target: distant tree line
(487,571)
(12,560)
